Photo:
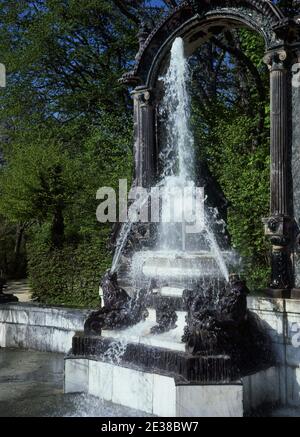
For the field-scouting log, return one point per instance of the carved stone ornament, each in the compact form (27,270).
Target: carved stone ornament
(209,321)
(120,310)
(166,316)
(142,95)
(277,60)
(262,15)
(225,326)
(279,230)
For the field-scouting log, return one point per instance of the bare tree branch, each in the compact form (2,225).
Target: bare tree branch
(121,4)
(171,3)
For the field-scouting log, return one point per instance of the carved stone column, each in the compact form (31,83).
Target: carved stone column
(278,226)
(295,108)
(144,158)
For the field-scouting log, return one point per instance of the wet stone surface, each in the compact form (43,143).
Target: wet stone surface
(31,384)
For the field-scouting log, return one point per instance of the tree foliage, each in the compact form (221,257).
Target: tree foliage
(65,124)
(231,124)
(66,130)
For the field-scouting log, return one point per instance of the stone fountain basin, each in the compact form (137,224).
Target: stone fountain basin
(185,265)
(160,393)
(164,382)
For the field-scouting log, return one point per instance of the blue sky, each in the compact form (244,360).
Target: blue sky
(156,3)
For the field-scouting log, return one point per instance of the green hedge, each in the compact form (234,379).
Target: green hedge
(68,277)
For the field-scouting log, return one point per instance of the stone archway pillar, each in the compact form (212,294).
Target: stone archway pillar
(278,227)
(144,153)
(295,110)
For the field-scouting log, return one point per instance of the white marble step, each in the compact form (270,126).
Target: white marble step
(171,291)
(140,333)
(179,265)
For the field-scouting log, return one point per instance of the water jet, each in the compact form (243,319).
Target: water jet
(174,334)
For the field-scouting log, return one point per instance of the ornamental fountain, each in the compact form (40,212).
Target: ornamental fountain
(173,336)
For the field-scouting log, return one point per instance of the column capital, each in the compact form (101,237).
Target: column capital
(142,95)
(278,59)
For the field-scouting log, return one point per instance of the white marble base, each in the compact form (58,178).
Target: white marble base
(159,395)
(172,291)
(210,400)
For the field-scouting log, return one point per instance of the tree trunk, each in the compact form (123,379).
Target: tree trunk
(18,245)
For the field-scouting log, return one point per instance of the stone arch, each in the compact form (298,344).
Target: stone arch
(195,21)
